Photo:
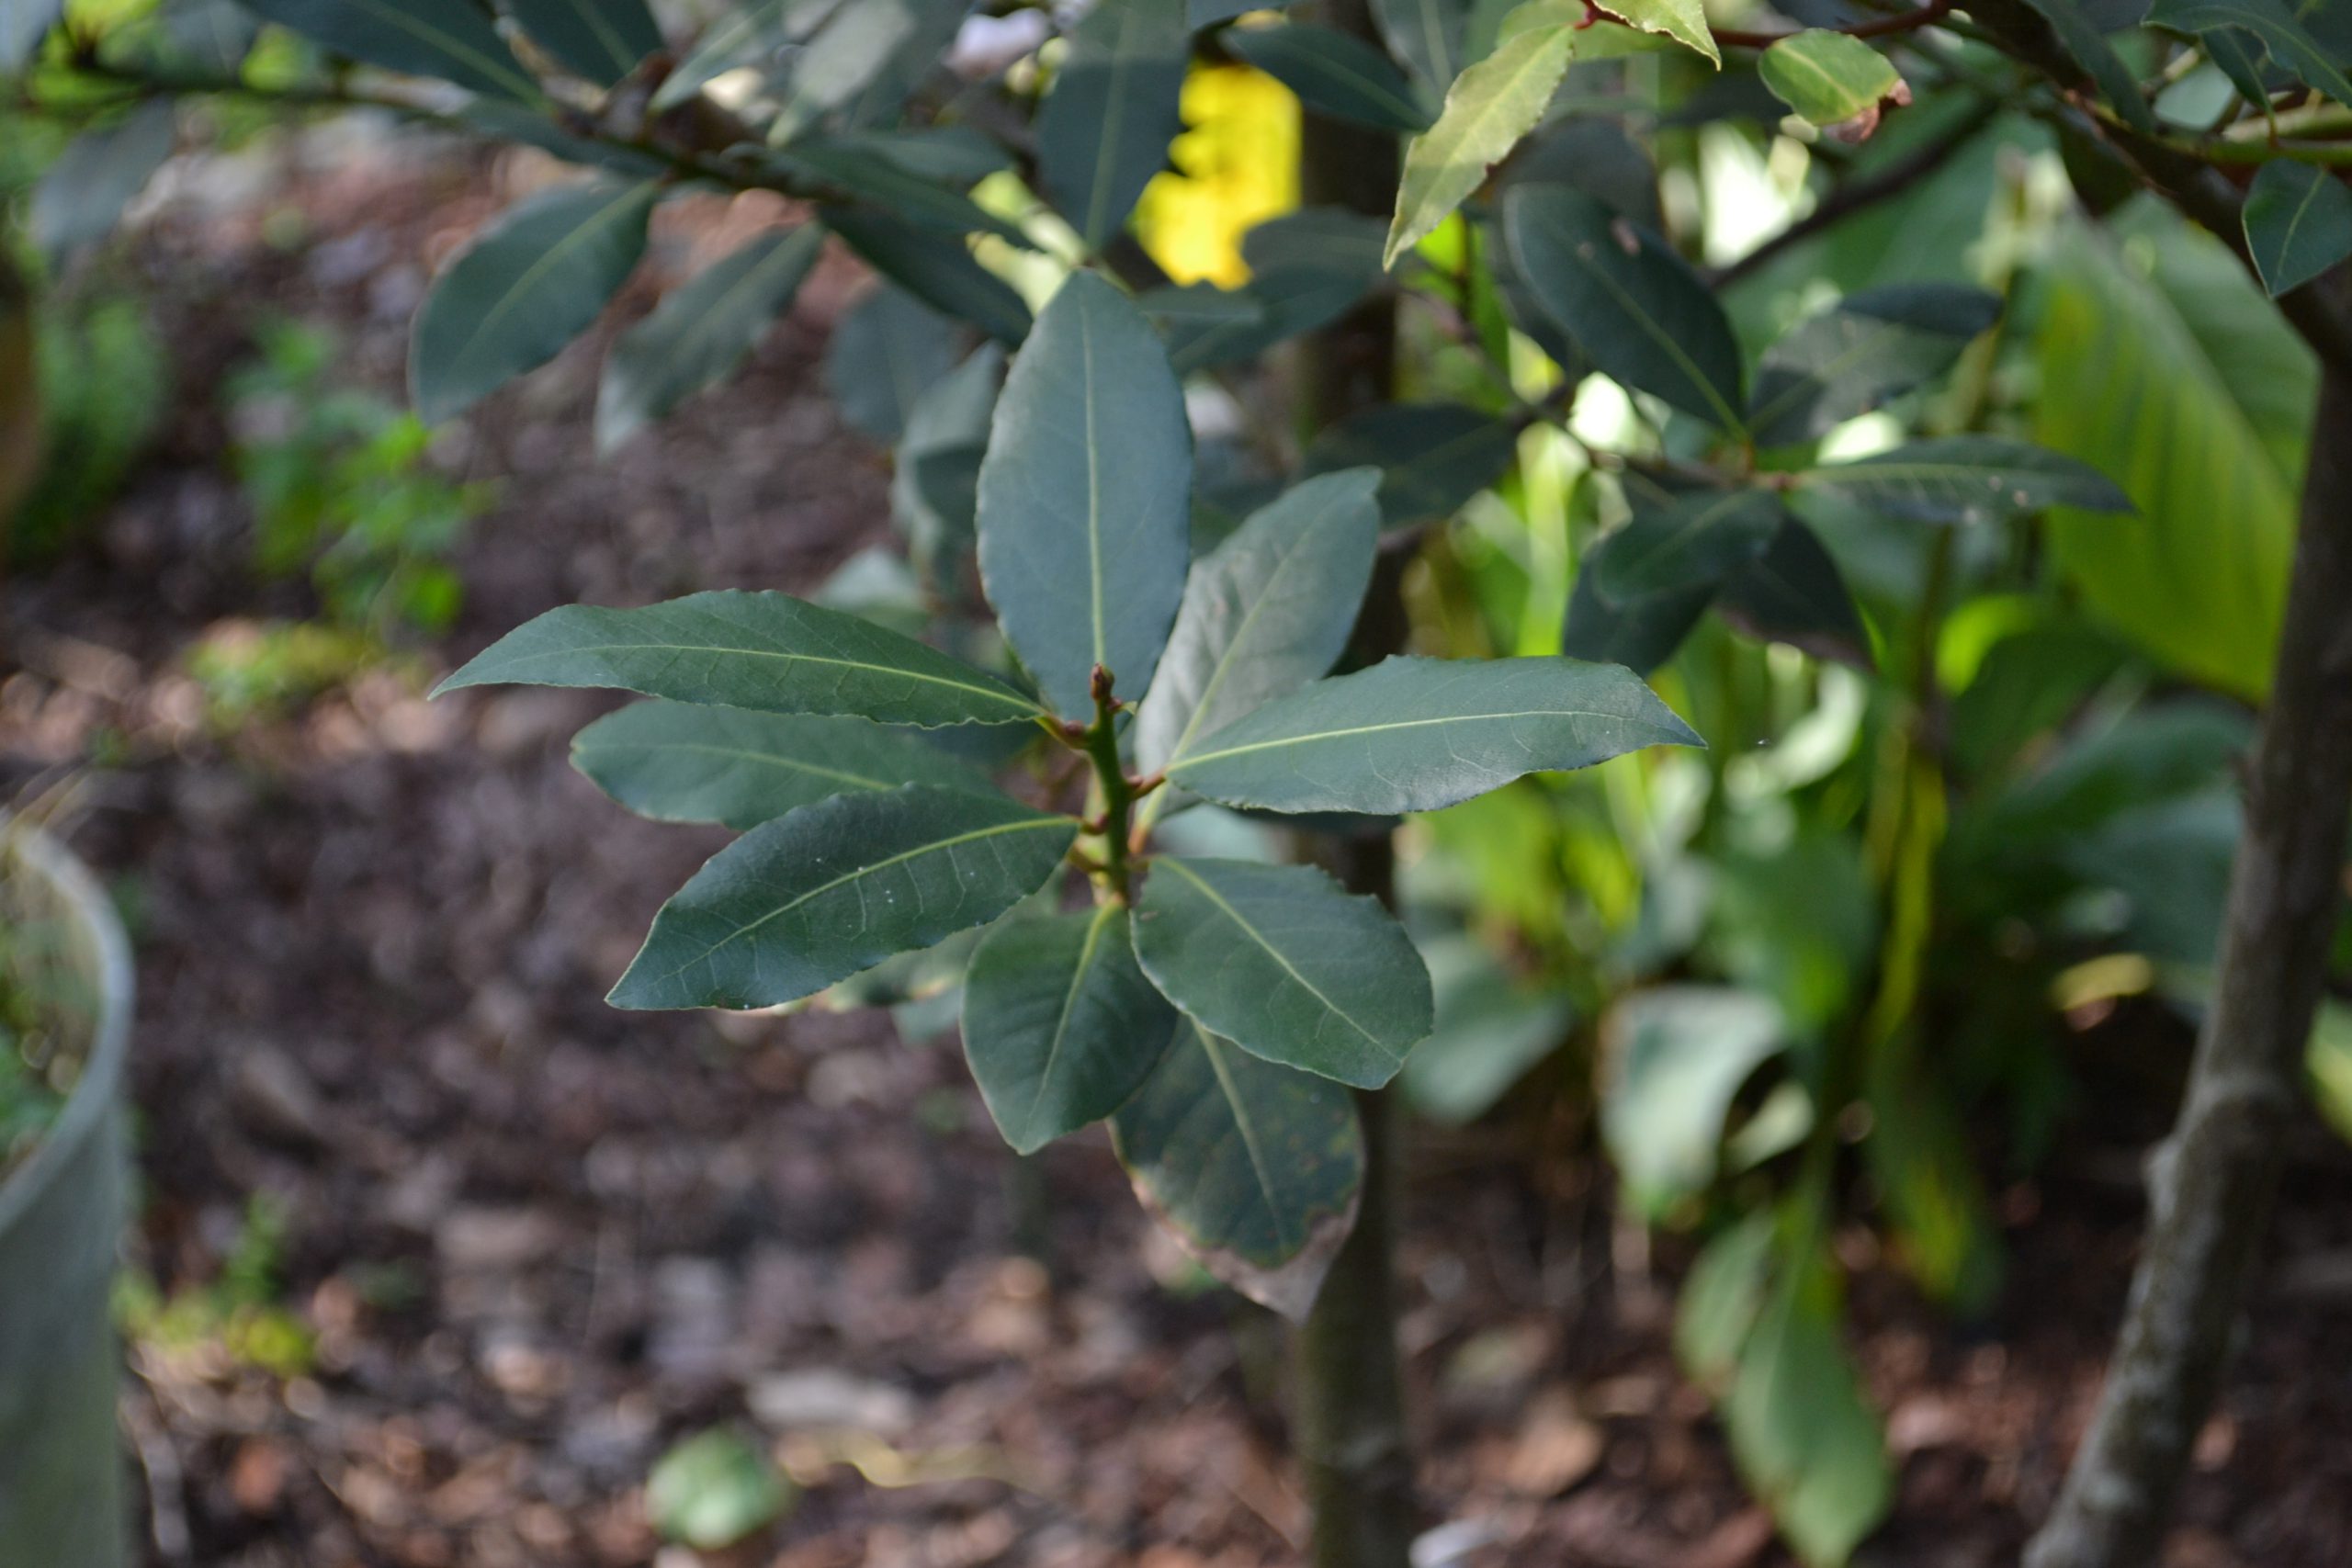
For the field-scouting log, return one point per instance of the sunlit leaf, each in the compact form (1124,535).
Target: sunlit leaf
(714,1490)
(1684,22)
(1827,78)
(1488,108)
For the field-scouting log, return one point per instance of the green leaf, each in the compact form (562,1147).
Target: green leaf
(2188,386)
(529,284)
(1635,307)
(81,199)
(2292,45)
(1488,108)
(1427,35)
(1085,497)
(934,478)
(869,175)
(1333,74)
(1807,1441)
(602,40)
(1967,479)
(1855,355)
(864,59)
(1695,541)
(888,351)
(1490,1030)
(715,1490)
(829,889)
(1286,964)
(751,31)
(700,333)
(1059,1024)
(1418,734)
(1104,130)
(1795,594)
(1684,22)
(1254,1167)
(1827,78)
(204,37)
(1721,1297)
(936,268)
(1267,611)
(2297,223)
(1640,634)
(762,652)
(2081,38)
(1199,14)
(23,24)
(1432,457)
(687,762)
(1675,1056)
(453,40)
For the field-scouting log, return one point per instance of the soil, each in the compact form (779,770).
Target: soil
(536,1241)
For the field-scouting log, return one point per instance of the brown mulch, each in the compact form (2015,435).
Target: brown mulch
(538,1240)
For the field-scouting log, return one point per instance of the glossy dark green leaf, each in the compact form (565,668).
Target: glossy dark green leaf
(1635,307)
(884,355)
(1059,1024)
(1418,734)
(1693,541)
(81,199)
(1967,479)
(960,155)
(763,651)
(688,762)
(1199,14)
(1640,634)
(1105,126)
(2282,30)
(602,40)
(23,24)
(1085,497)
(829,889)
(1330,238)
(1333,74)
(1254,1167)
(2081,38)
(1286,964)
(514,297)
(934,478)
(1427,35)
(1489,107)
(1267,611)
(862,61)
(753,33)
(504,119)
(936,268)
(1867,348)
(701,332)
(1432,457)
(1278,303)
(870,177)
(1827,78)
(1795,594)
(2297,223)
(453,40)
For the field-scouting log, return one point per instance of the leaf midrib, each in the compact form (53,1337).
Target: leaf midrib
(1321,735)
(530,276)
(1009,698)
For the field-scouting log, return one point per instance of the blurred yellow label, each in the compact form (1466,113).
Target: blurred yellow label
(1238,165)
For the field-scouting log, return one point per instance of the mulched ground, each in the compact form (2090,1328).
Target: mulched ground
(538,1240)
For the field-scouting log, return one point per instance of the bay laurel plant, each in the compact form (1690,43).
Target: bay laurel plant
(1213,1009)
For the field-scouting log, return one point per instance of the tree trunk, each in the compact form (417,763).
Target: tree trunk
(1349,1399)
(2212,1183)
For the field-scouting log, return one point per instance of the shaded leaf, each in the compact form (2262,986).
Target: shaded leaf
(2082,38)
(1105,126)
(2281,29)
(1267,611)
(1692,542)
(23,24)
(1673,1056)
(453,40)
(936,268)
(1967,479)
(1684,22)
(886,352)
(1640,634)
(1286,964)
(602,40)
(1827,78)
(751,33)
(1805,1440)
(1084,497)
(1795,594)
(1487,110)
(762,651)
(866,56)
(1254,1167)
(1060,1027)
(514,297)
(1333,74)
(934,479)
(1432,457)
(1416,734)
(701,332)
(689,763)
(1865,349)
(2297,223)
(868,176)
(1635,307)
(1427,35)
(1720,1299)
(826,890)
(81,199)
